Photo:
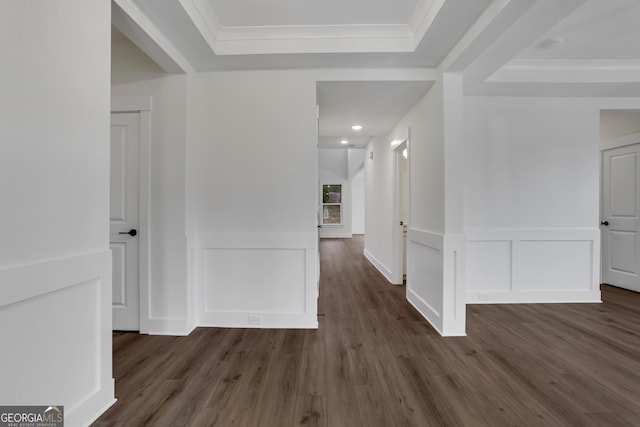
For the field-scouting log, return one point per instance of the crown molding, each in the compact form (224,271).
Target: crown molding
(568,71)
(310,38)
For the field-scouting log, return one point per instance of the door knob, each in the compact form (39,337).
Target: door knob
(131,232)
(605,223)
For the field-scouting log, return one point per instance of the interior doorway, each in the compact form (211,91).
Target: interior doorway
(123,220)
(400,210)
(129,210)
(620,199)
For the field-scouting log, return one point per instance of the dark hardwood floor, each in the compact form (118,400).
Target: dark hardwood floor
(375,362)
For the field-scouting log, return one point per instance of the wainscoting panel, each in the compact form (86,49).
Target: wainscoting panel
(489,265)
(425,274)
(56,318)
(272,278)
(533,265)
(262,280)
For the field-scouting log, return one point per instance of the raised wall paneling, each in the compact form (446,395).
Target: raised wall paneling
(555,265)
(489,266)
(56,295)
(532,265)
(425,276)
(261,280)
(255,280)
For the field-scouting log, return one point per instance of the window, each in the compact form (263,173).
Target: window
(332,204)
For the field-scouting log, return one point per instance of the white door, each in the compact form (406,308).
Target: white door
(125,151)
(620,221)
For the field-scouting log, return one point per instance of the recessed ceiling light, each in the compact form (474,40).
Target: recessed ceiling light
(356,127)
(344,141)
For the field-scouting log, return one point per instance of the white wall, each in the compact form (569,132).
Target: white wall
(134,74)
(334,163)
(531,200)
(378,173)
(55,263)
(614,124)
(355,161)
(252,168)
(357,204)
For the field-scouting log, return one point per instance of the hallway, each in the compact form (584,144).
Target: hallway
(375,362)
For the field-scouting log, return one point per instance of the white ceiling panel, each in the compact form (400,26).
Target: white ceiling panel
(267,13)
(597,30)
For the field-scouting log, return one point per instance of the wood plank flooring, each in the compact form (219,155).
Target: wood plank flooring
(375,362)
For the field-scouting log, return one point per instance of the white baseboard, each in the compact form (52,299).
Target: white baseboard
(169,326)
(259,320)
(386,272)
(335,235)
(533,297)
(423,307)
(91,409)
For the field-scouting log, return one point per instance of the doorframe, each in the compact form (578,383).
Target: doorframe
(397,146)
(143,106)
(606,145)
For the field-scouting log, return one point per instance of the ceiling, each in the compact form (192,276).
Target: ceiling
(376,106)
(502,47)
(205,35)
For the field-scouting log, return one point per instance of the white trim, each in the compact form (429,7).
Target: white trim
(131,104)
(515,239)
(442,266)
(169,326)
(568,71)
(619,105)
(59,273)
(383,269)
(231,40)
(454,287)
(430,310)
(621,141)
(47,280)
(142,105)
(425,309)
(328,234)
(572,64)
(323,204)
(529,297)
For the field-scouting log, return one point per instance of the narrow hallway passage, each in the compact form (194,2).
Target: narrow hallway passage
(375,362)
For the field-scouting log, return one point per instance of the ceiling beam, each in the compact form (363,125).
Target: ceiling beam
(127,17)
